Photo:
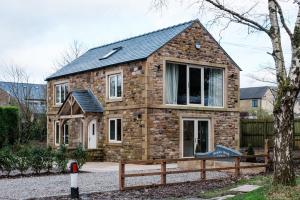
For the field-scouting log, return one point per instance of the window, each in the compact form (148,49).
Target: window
(189,84)
(61,91)
(66,134)
(115,130)
(57,133)
(115,86)
(110,53)
(254,103)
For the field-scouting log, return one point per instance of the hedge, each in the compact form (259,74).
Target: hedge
(9,125)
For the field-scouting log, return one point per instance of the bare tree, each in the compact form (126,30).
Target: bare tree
(74,50)
(21,92)
(273,23)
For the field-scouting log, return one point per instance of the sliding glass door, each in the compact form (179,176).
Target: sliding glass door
(195,136)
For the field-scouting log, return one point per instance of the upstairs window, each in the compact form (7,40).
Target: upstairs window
(194,85)
(61,91)
(115,86)
(254,103)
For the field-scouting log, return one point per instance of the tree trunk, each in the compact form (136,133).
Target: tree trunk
(283,127)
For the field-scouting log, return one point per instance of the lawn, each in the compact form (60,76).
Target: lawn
(266,192)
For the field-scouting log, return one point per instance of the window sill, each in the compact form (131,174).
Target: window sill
(114,100)
(114,144)
(58,105)
(194,106)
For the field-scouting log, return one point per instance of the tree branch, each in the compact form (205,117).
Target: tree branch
(241,19)
(282,19)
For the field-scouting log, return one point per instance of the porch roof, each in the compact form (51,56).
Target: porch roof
(86,101)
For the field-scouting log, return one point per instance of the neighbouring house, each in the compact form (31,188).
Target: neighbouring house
(34,95)
(156,95)
(260,98)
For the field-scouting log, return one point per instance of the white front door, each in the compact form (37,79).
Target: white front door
(92,135)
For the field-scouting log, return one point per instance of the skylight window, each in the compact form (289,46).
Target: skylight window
(114,50)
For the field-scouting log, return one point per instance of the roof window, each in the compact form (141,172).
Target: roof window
(114,50)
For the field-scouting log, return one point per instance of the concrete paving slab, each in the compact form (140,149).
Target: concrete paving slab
(245,188)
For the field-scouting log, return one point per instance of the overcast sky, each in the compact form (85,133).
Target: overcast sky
(34,33)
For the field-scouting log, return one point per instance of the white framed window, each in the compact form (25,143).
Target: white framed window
(115,130)
(115,86)
(61,92)
(194,85)
(66,134)
(57,133)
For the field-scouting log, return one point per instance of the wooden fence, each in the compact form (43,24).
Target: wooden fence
(202,171)
(256,131)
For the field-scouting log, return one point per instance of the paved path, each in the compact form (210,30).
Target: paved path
(102,180)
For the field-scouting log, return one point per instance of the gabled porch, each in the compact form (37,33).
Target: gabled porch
(79,120)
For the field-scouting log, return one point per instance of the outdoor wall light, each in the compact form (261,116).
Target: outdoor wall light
(157,67)
(197,45)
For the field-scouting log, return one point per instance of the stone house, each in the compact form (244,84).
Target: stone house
(260,98)
(156,95)
(33,95)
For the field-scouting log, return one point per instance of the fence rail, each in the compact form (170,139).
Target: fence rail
(256,131)
(163,168)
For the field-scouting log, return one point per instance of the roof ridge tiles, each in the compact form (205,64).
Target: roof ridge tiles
(144,34)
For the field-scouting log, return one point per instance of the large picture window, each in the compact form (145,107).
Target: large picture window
(115,86)
(115,130)
(194,85)
(61,91)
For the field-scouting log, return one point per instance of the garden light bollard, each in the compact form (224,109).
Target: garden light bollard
(74,180)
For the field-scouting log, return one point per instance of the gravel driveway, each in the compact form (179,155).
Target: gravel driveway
(45,186)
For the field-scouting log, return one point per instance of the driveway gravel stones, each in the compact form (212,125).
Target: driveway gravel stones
(57,185)
(185,191)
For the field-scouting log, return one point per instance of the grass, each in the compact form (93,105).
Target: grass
(266,192)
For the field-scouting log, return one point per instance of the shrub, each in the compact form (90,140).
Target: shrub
(7,161)
(48,158)
(79,155)
(23,156)
(9,123)
(250,152)
(61,158)
(198,149)
(37,159)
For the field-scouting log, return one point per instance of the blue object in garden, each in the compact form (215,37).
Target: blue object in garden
(221,151)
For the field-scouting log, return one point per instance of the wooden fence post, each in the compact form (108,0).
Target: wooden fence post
(163,170)
(237,166)
(203,171)
(121,176)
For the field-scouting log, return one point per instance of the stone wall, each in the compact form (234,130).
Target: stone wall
(164,133)
(133,97)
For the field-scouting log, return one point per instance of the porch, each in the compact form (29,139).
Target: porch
(79,121)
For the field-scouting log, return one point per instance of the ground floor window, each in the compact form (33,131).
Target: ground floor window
(57,133)
(195,136)
(66,134)
(115,130)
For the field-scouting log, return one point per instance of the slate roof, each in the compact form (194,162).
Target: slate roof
(87,101)
(25,90)
(131,49)
(253,92)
